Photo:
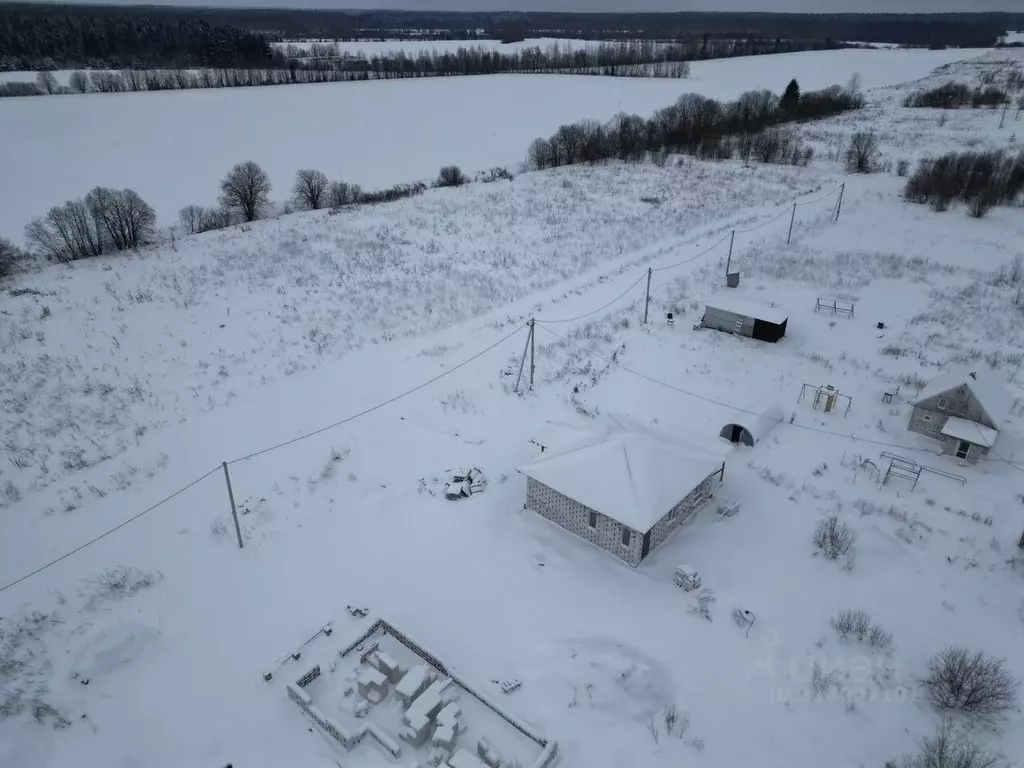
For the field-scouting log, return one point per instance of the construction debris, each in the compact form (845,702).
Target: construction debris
(464,483)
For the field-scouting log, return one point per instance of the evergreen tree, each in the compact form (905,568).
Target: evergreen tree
(791,97)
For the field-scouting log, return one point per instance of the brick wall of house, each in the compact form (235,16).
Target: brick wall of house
(683,511)
(927,422)
(575,517)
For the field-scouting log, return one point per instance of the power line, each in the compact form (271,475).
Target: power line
(258,453)
(588,314)
(723,404)
(685,261)
(380,405)
(103,535)
(818,199)
(762,226)
(692,258)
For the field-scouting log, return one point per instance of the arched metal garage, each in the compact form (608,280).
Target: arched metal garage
(750,428)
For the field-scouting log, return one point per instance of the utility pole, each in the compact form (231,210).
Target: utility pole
(839,207)
(522,360)
(1002,118)
(533,325)
(647,301)
(792,218)
(728,260)
(231,498)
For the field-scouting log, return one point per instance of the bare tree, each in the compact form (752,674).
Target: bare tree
(451,176)
(970,682)
(539,154)
(122,216)
(66,233)
(341,193)
(214,218)
(9,255)
(78,82)
(47,82)
(569,139)
(246,189)
(853,85)
(310,189)
(191,217)
(107,82)
(950,748)
(862,152)
(626,137)
(767,145)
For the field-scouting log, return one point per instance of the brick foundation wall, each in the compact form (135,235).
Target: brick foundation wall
(575,518)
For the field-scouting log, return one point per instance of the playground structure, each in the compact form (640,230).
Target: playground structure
(908,469)
(827,398)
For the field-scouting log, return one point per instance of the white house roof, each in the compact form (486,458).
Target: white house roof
(741,306)
(994,398)
(971,431)
(627,472)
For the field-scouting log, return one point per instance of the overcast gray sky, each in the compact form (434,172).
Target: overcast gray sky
(800,6)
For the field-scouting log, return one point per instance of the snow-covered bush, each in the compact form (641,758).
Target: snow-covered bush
(451,176)
(970,682)
(834,537)
(862,152)
(857,624)
(949,748)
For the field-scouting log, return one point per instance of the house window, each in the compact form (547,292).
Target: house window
(943,403)
(592,522)
(626,536)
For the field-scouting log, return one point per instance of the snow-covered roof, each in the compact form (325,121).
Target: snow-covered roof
(971,431)
(739,305)
(759,418)
(994,398)
(627,472)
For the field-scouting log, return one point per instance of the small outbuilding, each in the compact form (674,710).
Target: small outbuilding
(625,487)
(753,424)
(733,314)
(964,410)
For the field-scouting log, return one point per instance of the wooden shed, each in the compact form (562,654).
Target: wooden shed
(734,314)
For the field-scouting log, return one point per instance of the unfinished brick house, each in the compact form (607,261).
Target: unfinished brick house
(625,488)
(964,410)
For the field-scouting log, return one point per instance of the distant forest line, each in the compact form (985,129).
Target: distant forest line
(34,37)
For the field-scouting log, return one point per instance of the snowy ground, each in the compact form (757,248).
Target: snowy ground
(177,640)
(174,147)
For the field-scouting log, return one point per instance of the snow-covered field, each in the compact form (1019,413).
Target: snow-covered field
(148,647)
(174,147)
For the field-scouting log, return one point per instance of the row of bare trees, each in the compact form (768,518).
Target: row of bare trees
(245,194)
(109,220)
(699,126)
(610,59)
(981,180)
(104,221)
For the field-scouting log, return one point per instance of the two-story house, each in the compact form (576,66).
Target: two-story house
(964,410)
